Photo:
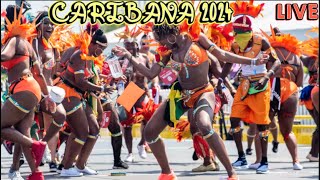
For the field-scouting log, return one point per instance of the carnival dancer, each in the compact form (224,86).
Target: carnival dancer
(69,45)
(155,85)
(220,35)
(131,45)
(116,134)
(308,96)
(24,74)
(80,117)
(251,102)
(284,99)
(193,90)
(48,55)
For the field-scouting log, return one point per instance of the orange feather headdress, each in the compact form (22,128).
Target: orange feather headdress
(287,41)
(221,35)
(129,35)
(17,28)
(61,38)
(84,40)
(246,8)
(310,47)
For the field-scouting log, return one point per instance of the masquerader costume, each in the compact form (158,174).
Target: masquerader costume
(144,113)
(283,87)
(26,83)
(310,47)
(220,35)
(245,104)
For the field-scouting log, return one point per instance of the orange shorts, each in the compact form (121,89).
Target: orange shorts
(194,97)
(254,108)
(70,92)
(314,91)
(27,84)
(287,89)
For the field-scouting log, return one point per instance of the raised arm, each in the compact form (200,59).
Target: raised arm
(9,49)
(224,55)
(150,73)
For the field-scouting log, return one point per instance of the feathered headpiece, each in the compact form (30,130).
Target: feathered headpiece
(221,35)
(192,30)
(146,28)
(243,23)
(17,28)
(287,41)
(246,8)
(61,37)
(310,47)
(91,29)
(129,35)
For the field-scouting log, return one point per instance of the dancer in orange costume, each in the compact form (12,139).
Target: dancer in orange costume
(284,101)
(187,48)
(24,74)
(252,100)
(310,94)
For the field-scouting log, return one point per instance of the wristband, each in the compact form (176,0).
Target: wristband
(211,48)
(102,89)
(45,96)
(253,62)
(271,71)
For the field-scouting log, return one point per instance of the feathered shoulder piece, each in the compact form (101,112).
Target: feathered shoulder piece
(287,41)
(60,37)
(310,47)
(129,35)
(246,8)
(221,35)
(17,28)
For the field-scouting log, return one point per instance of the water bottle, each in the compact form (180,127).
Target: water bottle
(114,66)
(120,87)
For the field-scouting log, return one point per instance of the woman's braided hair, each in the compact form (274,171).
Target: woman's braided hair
(164,30)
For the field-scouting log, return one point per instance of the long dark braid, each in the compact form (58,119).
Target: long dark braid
(165,30)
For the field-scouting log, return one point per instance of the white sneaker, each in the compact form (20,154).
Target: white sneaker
(87,171)
(297,166)
(15,175)
(142,151)
(262,169)
(46,155)
(240,164)
(254,166)
(129,158)
(71,172)
(312,159)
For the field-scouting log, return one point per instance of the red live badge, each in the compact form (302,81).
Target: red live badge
(167,76)
(106,119)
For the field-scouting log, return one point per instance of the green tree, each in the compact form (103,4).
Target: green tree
(108,28)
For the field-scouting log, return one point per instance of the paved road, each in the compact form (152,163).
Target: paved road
(181,162)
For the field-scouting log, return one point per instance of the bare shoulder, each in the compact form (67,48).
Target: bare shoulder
(75,57)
